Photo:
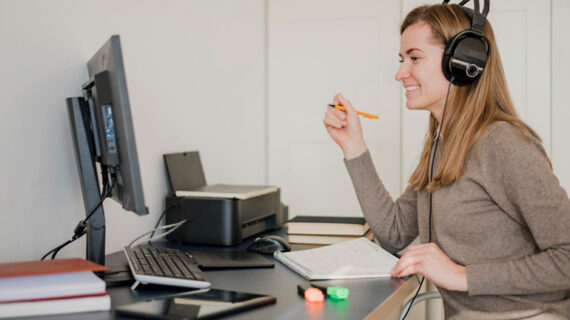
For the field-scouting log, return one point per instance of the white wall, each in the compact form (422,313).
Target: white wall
(196,80)
(560,83)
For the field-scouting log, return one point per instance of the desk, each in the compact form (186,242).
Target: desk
(369,298)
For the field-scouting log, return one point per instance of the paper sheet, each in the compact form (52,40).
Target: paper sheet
(358,258)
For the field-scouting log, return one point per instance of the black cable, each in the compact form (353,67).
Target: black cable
(81,227)
(104,178)
(161,216)
(106,195)
(56,250)
(430,177)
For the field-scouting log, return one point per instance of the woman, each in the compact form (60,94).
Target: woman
(496,241)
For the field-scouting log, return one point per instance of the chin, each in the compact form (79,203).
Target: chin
(418,105)
(413,106)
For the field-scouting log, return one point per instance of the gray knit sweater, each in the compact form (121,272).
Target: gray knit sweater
(507,219)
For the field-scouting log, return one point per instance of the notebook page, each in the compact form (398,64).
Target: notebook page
(358,258)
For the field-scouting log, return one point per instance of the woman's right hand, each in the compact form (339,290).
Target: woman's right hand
(344,128)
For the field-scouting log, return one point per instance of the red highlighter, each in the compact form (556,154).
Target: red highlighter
(311,294)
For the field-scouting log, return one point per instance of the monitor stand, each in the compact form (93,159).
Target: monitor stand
(83,139)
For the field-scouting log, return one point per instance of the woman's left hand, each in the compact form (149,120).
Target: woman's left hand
(428,260)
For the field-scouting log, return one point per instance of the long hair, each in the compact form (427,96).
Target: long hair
(471,108)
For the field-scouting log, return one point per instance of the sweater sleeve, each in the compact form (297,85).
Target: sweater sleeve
(522,184)
(394,224)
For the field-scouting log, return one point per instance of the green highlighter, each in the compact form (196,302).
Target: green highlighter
(333,292)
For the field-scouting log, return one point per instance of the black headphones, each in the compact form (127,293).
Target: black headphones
(467,52)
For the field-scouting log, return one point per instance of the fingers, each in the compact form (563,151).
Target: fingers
(410,270)
(407,265)
(339,99)
(338,113)
(431,262)
(335,118)
(414,260)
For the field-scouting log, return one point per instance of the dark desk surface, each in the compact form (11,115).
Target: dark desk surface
(375,298)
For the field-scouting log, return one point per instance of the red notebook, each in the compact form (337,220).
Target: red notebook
(30,268)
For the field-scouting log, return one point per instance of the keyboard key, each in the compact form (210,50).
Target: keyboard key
(165,266)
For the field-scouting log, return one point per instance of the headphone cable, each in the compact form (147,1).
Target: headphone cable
(430,177)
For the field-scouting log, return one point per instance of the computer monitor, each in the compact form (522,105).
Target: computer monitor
(102,131)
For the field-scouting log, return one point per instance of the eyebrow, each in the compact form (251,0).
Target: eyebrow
(410,50)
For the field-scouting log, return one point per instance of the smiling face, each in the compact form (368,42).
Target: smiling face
(420,70)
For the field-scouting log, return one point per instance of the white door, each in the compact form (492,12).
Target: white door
(561,83)
(317,48)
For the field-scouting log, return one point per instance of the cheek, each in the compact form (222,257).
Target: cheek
(438,83)
(443,85)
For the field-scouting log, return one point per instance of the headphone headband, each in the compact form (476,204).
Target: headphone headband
(477,17)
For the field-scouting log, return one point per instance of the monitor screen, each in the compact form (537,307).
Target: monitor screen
(114,126)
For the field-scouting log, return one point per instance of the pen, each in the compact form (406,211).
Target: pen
(364,114)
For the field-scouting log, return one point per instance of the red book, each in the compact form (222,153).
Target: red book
(37,267)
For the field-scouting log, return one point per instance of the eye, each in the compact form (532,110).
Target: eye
(400,60)
(414,58)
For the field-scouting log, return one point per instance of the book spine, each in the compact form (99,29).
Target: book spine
(41,308)
(100,294)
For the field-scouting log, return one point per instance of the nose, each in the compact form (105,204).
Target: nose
(402,72)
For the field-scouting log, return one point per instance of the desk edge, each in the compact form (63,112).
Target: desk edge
(395,300)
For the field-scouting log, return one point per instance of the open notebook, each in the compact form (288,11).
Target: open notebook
(353,259)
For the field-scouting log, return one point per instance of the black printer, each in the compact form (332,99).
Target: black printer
(219,214)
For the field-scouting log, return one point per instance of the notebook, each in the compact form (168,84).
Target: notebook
(353,259)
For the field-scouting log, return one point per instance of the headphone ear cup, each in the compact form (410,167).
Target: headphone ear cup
(465,57)
(445,62)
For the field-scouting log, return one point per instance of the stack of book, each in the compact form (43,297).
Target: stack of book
(47,287)
(326,230)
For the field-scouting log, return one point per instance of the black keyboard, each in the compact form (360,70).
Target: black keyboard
(165,266)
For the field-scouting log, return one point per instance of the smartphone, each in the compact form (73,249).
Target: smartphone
(206,305)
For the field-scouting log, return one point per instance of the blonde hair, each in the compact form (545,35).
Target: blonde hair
(471,108)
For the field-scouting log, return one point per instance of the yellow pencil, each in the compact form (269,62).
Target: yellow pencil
(364,114)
